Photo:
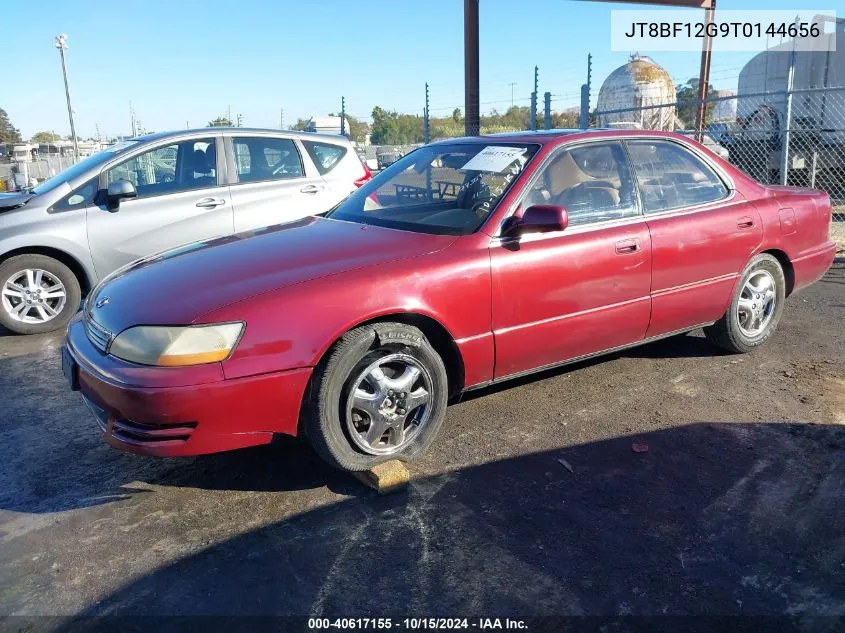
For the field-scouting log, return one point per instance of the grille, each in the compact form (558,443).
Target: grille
(132,432)
(99,336)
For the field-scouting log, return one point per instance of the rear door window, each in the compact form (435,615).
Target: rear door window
(326,156)
(671,177)
(261,158)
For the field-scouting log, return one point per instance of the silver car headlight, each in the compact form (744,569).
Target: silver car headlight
(167,346)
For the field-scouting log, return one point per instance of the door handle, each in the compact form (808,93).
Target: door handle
(210,203)
(624,247)
(744,222)
(312,189)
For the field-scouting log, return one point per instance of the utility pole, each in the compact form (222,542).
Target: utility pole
(281,118)
(512,84)
(97,127)
(585,94)
(343,116)
(472,109)
(704,74)
(132,119)
(426,120)
(61,44)
(240,119)
(534,98)
(787,127)
(547,111)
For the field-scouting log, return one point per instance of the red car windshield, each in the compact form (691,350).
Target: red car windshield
(445,188)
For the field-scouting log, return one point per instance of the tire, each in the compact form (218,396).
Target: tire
(338,430)
(51,277)
(729,332)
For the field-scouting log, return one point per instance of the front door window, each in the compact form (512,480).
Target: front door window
(172,168)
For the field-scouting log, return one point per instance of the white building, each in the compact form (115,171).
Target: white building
(326,125)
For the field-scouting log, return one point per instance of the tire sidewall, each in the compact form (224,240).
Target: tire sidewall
(55,267)
(331,434)
(773,267)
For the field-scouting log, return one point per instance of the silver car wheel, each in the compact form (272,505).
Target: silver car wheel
(388,405)
(33,296)
(757,302)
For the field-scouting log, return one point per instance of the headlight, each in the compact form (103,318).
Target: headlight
(176,346)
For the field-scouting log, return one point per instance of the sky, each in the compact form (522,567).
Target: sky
(184,62)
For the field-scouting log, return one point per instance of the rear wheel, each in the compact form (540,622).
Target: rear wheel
(755,310)
(37,294)
(381,395)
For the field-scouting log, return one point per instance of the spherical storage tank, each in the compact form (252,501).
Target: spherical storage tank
(640,87)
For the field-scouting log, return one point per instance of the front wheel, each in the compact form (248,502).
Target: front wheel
(38,294)
(381,395)
(756,307)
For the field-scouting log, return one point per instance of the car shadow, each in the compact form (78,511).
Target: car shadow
(836,273)
(730,519)
(689,345)
(51,444)
(54,458)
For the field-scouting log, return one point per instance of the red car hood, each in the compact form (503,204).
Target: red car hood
(181,285)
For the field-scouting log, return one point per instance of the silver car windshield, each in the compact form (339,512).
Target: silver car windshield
(448,188)
(80,168)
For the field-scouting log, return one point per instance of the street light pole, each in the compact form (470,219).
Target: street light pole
(61,44)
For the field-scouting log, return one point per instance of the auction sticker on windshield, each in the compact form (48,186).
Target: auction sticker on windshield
(493,158)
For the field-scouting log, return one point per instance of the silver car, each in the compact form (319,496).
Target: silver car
(151,194)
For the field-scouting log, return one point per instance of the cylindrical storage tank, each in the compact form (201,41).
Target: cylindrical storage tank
(641,89)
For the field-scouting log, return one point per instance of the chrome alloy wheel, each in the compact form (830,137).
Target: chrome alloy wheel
(756,305)
(389,404)
(33,296)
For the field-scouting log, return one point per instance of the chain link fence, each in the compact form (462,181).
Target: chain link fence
(40,169)
(380,156)
(784,138)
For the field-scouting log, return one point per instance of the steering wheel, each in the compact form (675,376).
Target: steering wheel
(479,209)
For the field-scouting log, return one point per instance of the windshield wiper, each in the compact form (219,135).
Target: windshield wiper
(325,214)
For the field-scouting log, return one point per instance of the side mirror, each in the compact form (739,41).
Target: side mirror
(117,191)
(539,218)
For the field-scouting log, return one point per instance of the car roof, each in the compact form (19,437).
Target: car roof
(155,136)
(549,137)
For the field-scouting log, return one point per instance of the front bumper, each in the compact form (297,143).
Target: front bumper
(189,411)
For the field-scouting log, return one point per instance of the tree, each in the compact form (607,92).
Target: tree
(392,128)
(687,98)
(220,121)
(568,119)
(301,125)
(45,137)
(456,115)
(358,130)
(8,132)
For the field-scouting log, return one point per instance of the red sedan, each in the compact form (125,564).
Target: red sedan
(468,262)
